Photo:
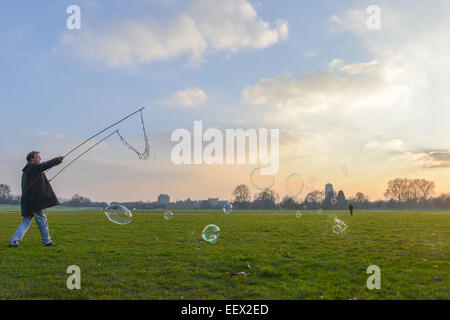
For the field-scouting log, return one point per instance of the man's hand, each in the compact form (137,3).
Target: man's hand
(61,159)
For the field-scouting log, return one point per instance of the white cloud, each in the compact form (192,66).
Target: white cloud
(390,145)
(189,97)
(345,87)
(234,24)
(227,25)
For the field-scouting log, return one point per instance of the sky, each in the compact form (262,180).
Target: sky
(373,101)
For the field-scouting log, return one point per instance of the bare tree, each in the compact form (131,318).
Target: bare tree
(315,196)
(5,192)
(360,200)
(241,196)
(395,190)
(410,191)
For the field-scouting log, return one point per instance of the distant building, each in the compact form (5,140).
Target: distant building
(163,200)
(342,203)
(329,191)
(213,201)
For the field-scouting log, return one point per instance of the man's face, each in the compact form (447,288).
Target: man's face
(36,159)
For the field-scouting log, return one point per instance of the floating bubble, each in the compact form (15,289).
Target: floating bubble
(337,229)
(305,207)
(168,215)
(227,208)
(340,227)
(294,184)
(261,182)
(210,233)
(319,211)
(299,214)
(118,214)
(344,170)
(333,200)
(309,199)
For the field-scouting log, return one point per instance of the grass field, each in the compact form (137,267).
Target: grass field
(290,258)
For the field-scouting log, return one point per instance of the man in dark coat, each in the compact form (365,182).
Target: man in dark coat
(37,195)
(350,207)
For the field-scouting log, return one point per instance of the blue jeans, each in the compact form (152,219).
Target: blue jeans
(41,220)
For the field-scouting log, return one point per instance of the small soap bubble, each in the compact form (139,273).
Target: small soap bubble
(227,208)
(337,229)
(168,215)
(298,214)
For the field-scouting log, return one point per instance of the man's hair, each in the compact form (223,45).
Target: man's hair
(31,155)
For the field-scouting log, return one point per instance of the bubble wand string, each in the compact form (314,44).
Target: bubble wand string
(81,155)
(87,140)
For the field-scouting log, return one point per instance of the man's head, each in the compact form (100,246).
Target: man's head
(34,157)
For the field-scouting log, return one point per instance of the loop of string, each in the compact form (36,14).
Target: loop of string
(146,154)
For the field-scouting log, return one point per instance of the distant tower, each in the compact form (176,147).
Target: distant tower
(329,192)
(342,203)
(163,200)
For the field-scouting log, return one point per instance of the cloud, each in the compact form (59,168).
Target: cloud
(206,25)
(133,42)
(394,145)
(344,87)
(189,97)
(429,160)
(234,24)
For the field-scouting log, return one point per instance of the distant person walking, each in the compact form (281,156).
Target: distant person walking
(37,195)
(350,207)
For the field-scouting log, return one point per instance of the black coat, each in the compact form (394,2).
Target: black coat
(37,193)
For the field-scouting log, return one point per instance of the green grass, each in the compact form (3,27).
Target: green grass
(290,258)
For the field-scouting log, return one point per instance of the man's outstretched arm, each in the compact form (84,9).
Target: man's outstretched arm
(49,164)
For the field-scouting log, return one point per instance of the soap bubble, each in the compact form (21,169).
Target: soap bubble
(340,227)
(259,181)
(333,200)
(294,184)
(344,171)
(168,215)
(337,229)
(118,214)
(211,233)
(298,214)
(305,207)
(319,211)
(227,208)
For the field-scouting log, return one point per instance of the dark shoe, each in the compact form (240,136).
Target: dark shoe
(14,245)
(50,244)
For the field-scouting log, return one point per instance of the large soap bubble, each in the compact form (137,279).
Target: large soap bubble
(294,184)
(211,233)
(259,181)
(118,214)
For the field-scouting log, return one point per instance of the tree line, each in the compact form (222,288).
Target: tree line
(400,194)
